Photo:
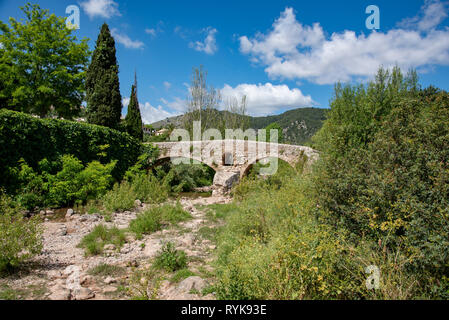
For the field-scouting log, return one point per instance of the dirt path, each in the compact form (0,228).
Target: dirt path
(63,271)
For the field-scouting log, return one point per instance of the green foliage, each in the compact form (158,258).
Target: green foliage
(152,219)
(94,242)
(133,118)
(120,198)
(72,183)
(384,171)
(104,101)
(185,177)
(181,275)
(21,237)
(278,128)
(139,186)
(78,183)
(42,65)
(170,259)
(25,137)
(105,270)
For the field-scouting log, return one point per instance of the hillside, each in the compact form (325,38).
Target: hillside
(299,125)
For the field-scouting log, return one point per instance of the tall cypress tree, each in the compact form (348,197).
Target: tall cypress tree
(104,101)
(133,119)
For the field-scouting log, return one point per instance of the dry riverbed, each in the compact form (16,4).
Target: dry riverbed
(64,272)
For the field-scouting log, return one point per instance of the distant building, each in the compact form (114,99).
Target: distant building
(148,130)
(161,132)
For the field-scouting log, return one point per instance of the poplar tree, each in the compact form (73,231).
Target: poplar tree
(104,101)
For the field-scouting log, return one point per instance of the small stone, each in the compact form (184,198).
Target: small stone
(87,281)
(60,294)
(83,294)
(109,247)
(109,280)
(109,289)
(69,213)
(49,212)
(133,263)
(192,283)
(54,274)
(137,203)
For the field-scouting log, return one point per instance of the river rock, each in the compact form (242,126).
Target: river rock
(83,294)
(226,179)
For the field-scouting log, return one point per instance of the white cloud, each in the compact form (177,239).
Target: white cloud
(295,51)
(178,104)
(101,8)
(167,85)
(265,99)
(209,45)
(433,12)
(151,32)
(151,114)
(126,41)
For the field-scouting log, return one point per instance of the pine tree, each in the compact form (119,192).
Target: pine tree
(104,101)
(133,118)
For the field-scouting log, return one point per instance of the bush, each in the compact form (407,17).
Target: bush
(170,259)
(20,237)
(384,170)
(73,183)
(94,242)
(120,198)
(152,220)
(23,136)
(183,177)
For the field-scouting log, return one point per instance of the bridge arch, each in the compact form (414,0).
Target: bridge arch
(247,169)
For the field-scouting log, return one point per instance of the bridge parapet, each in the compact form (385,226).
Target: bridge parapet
(233,156)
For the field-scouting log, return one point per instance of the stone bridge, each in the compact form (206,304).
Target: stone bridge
(232,159)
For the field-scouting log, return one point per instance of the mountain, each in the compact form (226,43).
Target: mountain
(298,125)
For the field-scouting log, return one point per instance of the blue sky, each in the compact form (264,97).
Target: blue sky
(281,54)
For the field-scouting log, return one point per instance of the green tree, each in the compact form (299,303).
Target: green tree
(42,65)
(104,101)
(274,126)
(133,119)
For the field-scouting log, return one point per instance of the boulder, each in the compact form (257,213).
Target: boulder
(83,294)
(226,179)
(192,283)
(69,213)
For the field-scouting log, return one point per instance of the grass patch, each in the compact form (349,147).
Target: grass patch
(7,293)
(208,233)
(153,219)
(94,242)
(105,270)
(170,259)
(181,275)
(220,211)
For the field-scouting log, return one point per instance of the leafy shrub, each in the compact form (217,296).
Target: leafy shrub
(120,198)
(72,183)
(184,177)
(21,237)
(146,223)
(149,189)
(23,136)
(170,259)
(94,242)
(384,170)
